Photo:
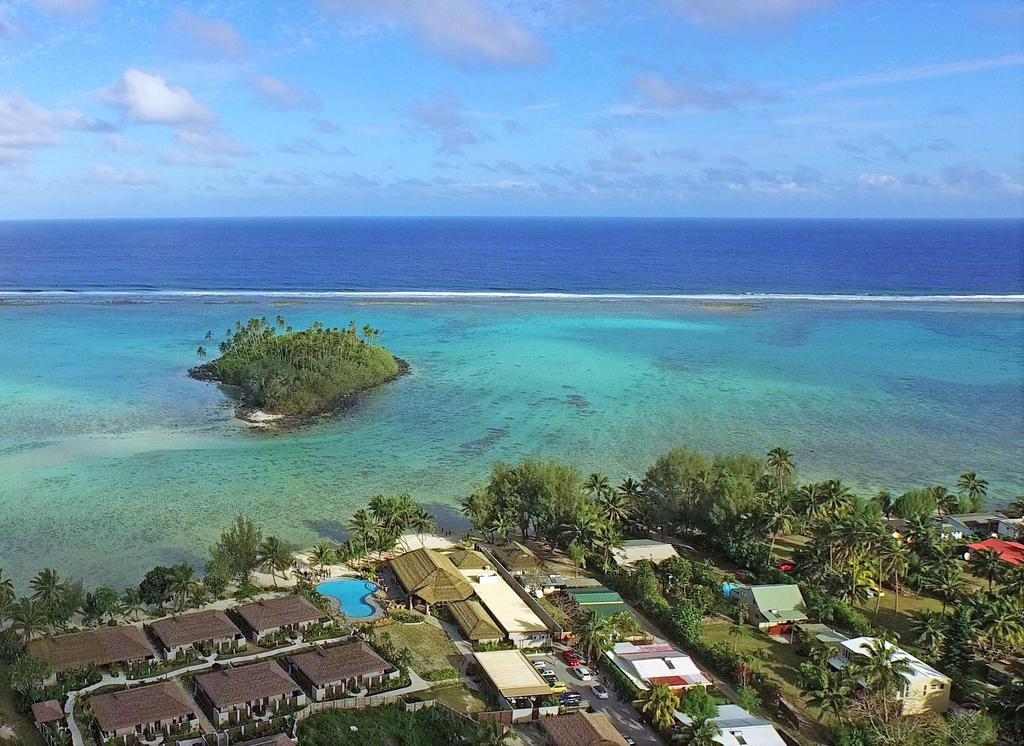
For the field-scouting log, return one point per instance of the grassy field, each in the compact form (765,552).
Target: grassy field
(384,726)
(23,727)
(459,697)
(430,646)
(781,663)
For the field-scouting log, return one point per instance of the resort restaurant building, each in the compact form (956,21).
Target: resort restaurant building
(330,673)
(288,613)
(144,713)
(924,688)
(516,682)
(104,647)
(204,631)
(232,694)
(581,729)
(429,578)
(521,626)
(476,624)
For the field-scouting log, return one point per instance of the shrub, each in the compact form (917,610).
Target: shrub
(441,674)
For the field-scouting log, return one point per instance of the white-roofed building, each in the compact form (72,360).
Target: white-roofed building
(740,728)
(517,620)
(634,550)
(925,689)
(660,663)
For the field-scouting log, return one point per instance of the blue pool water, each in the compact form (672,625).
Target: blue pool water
(351,595)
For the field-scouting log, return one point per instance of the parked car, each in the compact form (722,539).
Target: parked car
(570,658)
(570,699)
(582,673)
(547,672)
(550,678)
(559,687)
(600,692)
(540,665)
(629,741)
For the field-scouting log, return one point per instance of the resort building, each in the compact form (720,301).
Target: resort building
(924,688)
(476,624)
(581,729)
(657,664)
(737,727)
(430,578)
(514,617)
(517,558)
(50,721)
(234,694)
(124,647)
(468,559)
(144,713)
(773,609)
(514,680)
(286,614)
(204,631)
(331,673)
(1010,552)
(634,550)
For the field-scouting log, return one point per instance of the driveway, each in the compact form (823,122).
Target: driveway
(621,713)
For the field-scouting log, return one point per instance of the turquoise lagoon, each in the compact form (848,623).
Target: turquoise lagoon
(113,460)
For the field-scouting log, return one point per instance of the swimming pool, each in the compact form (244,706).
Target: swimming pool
(351,595)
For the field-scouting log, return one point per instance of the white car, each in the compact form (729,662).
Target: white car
(582,673)
(547,672)
(600,692)
(540,665)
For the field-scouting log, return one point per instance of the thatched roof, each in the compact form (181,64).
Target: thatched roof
(581,729)
(516,557)
(431,576)
(188,629)
(467,559)
(147,704)
(233,686)
(326,666)
(94,647)
(285,611)
(474,621)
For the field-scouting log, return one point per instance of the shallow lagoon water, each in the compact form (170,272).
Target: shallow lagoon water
(112,459)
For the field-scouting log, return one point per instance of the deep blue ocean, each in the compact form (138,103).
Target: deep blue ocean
(828,338)
(634,256)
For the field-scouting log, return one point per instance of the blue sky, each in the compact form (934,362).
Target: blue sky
(114,108)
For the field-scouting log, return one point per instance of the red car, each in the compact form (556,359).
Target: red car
(571,659)
(786,566)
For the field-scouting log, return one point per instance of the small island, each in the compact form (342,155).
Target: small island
(286,374)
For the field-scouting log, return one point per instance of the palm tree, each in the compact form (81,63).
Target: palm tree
(181,580)
(1017,505)
(987,564)
(836,498)
(502,526)
(615,505)
(659,704)
(893,560)
(929,628)
(200,352)
(596,485)
(781,466)
(421,522)
(779,520)
(882,669)
(974,488)
(945,502)
(830,692)
(27,618)
(581,530)
(948,586)
(735,633)
(46,587)
(275,556)
(321,555)
(492,733)
(703,733)
(364,527)
(133,604)
(1002,623)
(594,636)
(630,488)
(6,588)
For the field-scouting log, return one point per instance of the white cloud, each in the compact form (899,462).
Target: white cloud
(146,98)
(121,144)
(25,126)
(281,95)
(214,33)
(658,93)
(124,176)
(444,117)
(880,181)
(464,31)
(922,72)
(745,14)
(213,144)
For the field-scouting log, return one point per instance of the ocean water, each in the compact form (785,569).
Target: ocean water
(112,459)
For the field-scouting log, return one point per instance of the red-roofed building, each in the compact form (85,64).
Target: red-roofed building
(1008,551)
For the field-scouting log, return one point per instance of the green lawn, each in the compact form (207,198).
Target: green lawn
(459,697)
(781,663)
(430,646)
(384,726)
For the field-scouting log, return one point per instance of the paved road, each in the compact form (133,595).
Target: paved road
(620,712)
